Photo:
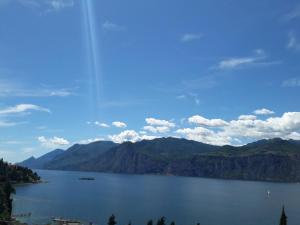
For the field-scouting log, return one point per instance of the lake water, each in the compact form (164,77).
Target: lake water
(138,198)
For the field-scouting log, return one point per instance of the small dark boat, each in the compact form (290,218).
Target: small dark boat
(60,221)
(86,178)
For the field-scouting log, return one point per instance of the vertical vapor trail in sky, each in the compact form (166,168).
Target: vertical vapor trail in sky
(94,70)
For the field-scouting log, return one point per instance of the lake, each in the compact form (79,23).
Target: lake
(138,198)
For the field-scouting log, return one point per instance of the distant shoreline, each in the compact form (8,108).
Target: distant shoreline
(165,175)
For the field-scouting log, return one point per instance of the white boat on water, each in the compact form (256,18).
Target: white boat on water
(60,221)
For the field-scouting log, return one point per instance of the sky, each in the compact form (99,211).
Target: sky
(78,71)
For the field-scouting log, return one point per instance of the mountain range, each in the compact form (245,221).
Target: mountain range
(265,160)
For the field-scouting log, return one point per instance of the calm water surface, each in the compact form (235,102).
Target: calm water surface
(138,198)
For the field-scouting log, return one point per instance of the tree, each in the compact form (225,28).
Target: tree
(150,222)
(283,218)
(161,221)
(172,223)
(6,189)
(112,220)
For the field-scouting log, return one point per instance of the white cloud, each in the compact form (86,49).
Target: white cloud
(294,136)
(119,124)
(190,37)
(190,96)
(247,117)
(129,135)
(293,82)
(7,124)
(159,129)
(150,128)
(293,14)
(204,135)
(60,4)
(52,142)
(97,123)
(158,126)
(22,108)
(158,122)
(232,63)
(110,26)
(57,93)
(9,88)
(148,137)
(90,140)
(247,127)
(181,97)
(293,43)
(283,127)
(199,120)
(162,129)
(263,111)
(48,5)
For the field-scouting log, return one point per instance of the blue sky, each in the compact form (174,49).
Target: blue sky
(220,72)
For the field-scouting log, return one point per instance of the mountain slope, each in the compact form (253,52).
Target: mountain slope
(147,156)
(173,148)
(78,154)
(39,163)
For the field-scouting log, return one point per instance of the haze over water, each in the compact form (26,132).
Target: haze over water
(138,198)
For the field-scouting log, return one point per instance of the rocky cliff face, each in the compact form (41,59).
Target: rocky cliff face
(268,167)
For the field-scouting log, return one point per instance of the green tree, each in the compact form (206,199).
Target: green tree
(6,189)
(283,218)
(150,222)
(172,223)
(161,221)
(112,220)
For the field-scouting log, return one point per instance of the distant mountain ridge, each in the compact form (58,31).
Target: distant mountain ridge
(38,163)
(78,154)
(266,160)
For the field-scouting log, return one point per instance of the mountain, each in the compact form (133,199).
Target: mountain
(69,159)
(73,157)
(39,163)
(266,160)
(147,156)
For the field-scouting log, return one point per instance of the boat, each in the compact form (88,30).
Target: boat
(86,178)
(268,193)
(60,221)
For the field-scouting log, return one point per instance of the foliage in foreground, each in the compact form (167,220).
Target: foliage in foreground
(16,174)
(160,221)
(10,174)
(6,189)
